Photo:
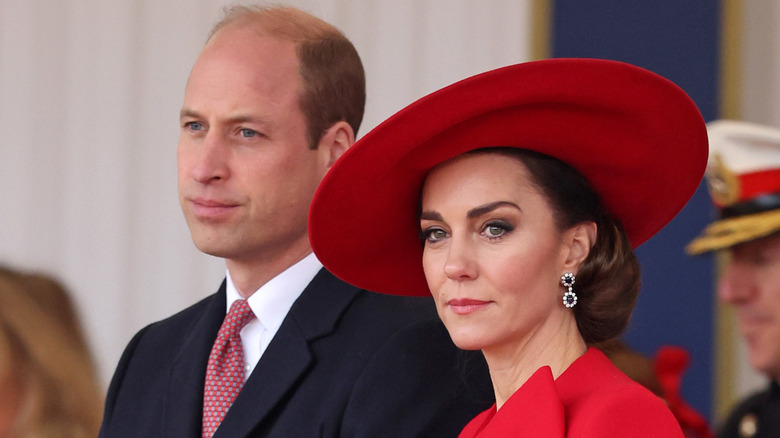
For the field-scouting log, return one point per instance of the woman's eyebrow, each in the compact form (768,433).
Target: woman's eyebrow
(487,208)
(431,216)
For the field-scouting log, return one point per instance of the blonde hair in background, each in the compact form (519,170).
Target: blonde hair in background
(50,388)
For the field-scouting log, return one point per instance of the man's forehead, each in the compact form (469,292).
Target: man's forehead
(257,62)
(768,243)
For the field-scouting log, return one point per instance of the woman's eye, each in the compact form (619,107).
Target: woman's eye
(496,230)
(434,234)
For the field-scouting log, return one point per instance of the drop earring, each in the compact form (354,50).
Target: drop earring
(569,297)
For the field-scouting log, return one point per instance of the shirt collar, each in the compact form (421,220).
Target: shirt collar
(271,302)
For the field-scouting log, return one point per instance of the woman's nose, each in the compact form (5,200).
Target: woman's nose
(460,264)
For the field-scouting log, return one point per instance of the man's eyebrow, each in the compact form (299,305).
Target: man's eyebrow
(238,118)
(188,113)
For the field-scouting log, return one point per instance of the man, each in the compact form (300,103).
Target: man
(274,98)
(744,182)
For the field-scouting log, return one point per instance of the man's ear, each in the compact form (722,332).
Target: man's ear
(580,239)
(336,140)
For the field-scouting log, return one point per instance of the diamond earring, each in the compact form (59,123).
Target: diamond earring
(569,297)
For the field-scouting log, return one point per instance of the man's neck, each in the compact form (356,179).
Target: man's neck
(249,275)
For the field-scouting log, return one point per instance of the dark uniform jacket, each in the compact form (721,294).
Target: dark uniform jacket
(758,416)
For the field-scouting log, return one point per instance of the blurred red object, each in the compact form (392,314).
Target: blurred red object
(670,364)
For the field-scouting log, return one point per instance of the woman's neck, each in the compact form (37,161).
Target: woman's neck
(556,346)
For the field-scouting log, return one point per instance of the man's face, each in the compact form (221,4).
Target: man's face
(751,283)
(246,174)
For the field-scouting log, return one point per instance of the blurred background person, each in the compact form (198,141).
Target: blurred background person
(48,381)
(743,177)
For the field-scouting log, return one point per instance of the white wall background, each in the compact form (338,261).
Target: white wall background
(89,97)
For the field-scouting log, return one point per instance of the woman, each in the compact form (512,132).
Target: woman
(530,185)
(49,385)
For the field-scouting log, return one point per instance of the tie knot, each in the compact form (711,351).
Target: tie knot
(239,315)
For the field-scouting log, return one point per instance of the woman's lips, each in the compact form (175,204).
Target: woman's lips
(464,306)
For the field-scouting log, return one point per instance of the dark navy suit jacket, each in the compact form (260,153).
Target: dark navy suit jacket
(344,363)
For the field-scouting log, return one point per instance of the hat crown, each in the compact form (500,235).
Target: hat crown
(744,161)
(743,177)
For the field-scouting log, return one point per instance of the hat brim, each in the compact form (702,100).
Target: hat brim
(636,137)
(725,233)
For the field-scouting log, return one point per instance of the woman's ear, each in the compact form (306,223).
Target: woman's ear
(336,140)
(580,239)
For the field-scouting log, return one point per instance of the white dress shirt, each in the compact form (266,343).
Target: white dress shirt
(270,305)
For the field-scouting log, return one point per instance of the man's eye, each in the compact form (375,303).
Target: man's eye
(248,133)
(194,126)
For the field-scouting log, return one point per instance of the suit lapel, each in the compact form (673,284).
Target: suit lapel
(184,399)
(288,356)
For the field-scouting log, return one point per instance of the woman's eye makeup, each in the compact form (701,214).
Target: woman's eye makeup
(496,229)
(434,234)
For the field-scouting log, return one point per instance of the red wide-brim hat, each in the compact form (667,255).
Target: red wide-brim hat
(636,137)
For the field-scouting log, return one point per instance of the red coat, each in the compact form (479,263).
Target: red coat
(592,398)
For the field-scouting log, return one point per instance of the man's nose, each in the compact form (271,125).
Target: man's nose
(737,285)
(211,159)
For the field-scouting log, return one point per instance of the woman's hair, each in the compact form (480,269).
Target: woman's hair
(44,361)
(608,281)
(333,79)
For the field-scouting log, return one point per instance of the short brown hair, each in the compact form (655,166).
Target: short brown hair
(608,280)
(334,84)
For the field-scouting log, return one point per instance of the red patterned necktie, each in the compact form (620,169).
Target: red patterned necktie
(225,371)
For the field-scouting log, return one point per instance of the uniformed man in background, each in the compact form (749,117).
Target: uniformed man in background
(743,176)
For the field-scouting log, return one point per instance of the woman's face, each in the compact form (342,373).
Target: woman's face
(493,256)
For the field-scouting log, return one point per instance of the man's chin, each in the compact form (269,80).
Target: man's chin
(761,361)
(212,247)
